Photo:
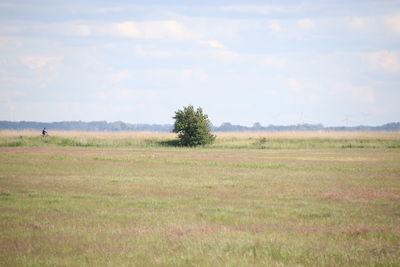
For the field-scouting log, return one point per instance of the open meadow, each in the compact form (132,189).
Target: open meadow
(249,199)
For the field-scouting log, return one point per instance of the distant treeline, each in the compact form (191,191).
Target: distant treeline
(225,127)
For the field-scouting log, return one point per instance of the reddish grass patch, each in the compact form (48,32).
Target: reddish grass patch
(177,233)
(360,194)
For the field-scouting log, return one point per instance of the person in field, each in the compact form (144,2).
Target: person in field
(44,132)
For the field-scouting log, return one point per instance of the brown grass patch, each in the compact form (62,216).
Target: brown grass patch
(360,194)
(178,233)
(251,228)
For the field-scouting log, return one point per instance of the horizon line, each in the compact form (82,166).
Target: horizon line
(212,125)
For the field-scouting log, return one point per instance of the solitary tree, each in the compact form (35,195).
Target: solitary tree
(193,127)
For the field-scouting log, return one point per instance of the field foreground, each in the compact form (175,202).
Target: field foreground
(86,199)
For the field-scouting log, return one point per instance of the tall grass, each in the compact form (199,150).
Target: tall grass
(238,140)
(310,135)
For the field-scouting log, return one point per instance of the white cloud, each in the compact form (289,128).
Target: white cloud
(127,94)
(306,23)
(213,44)
(10,29)
(109,45)
(194,75)
(141,51)
(71,110)
(295,84)
(150,30)
(7,42)
(83,30)
(225,55)
(104,10)
(266,60)
(313,98)
(133,29)
(122,75)
(68,28)
(394,22)
(128,29)
(370,26)
(358,22)
(255,9)
(275,26)
(363,94)
(263,9)
(385,61)
(273,61)
(272,91)
(10,94)
(39,62)
(350,94)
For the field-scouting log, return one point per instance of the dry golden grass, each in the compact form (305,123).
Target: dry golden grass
(220,135)
(87,134)
(310,135)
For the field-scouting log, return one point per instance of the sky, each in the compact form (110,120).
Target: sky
(272,62)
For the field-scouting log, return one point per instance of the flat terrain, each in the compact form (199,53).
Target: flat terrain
(263,199)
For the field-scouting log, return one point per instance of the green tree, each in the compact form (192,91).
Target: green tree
(193,127)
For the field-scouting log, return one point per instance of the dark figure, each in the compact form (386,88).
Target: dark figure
(44,132)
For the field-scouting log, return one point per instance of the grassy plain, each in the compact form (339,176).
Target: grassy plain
(262,199)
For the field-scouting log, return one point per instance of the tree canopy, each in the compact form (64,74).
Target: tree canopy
(193,127)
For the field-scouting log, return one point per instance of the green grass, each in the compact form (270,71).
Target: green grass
(300,203)
(240,142)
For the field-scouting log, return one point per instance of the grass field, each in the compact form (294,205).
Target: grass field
(261,199)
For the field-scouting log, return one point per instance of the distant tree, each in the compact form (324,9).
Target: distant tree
(257,126)
(193,127)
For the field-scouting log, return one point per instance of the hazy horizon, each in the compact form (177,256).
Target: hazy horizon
(213,124)
(276,62)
